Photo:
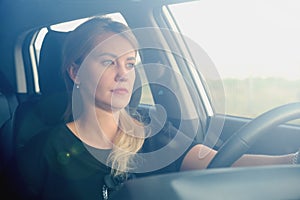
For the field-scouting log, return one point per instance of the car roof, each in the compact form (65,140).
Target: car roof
(20,15)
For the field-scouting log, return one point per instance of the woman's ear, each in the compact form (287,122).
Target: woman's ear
(73,73)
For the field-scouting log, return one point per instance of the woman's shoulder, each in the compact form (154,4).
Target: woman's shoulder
(59,130)
(49,132)
(47,145)
(48,136)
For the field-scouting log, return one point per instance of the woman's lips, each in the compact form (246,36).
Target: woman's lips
(120,91)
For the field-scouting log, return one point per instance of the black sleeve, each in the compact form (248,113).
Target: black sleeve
(177,141)
(185,140)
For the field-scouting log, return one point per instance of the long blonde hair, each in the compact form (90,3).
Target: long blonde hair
(127,143)
(78,44)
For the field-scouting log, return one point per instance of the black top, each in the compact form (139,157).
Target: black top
(55,164)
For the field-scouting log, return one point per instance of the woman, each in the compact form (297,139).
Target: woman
(98,147)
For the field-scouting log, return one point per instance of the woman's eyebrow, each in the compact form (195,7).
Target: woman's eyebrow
(132,58)
(106,54)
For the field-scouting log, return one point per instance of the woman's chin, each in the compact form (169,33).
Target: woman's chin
(119,103)
(112,106)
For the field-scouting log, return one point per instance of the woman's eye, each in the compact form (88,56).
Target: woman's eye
(130,65)
(108,62)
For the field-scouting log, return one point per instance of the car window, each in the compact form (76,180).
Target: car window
(254,46)
(146,97)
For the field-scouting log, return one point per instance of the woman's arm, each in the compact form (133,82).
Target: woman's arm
(200,156)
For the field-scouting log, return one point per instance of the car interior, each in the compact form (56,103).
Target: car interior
(33,97)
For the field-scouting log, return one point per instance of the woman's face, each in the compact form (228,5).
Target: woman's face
(107,74)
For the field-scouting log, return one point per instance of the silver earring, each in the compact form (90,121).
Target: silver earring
(77,86)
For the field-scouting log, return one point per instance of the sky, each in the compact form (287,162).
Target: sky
(242,37)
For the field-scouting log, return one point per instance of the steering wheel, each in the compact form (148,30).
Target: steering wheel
(239,143)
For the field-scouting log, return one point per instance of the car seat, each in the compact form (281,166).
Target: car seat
(46,109)
(8,104)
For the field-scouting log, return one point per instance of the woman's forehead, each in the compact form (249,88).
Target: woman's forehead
(114,45)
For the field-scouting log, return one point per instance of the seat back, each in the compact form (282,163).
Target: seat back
(8,104)
(8,100)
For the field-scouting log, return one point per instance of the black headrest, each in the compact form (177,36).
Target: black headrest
(51,80)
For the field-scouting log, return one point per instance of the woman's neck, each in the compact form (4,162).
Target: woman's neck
(97,128)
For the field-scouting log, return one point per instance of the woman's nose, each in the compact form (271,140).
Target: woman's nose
(122,72)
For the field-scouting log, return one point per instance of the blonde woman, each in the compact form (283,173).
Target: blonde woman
(98,147)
